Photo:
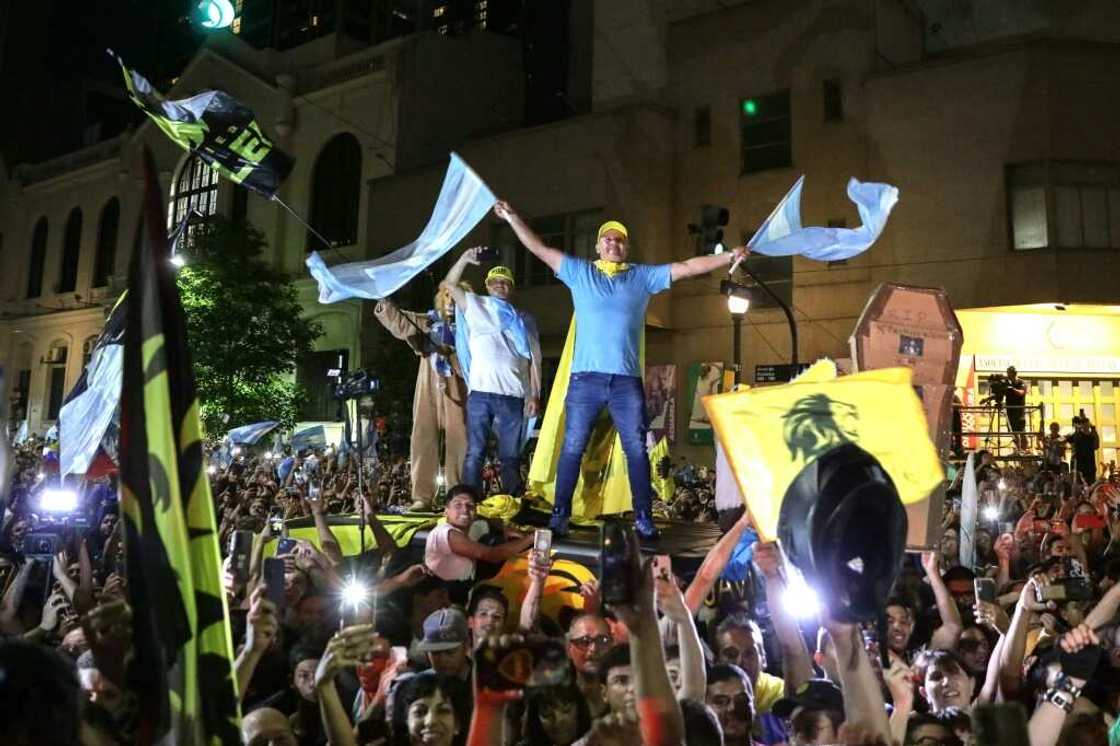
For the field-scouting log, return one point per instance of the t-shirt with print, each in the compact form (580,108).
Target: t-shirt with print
(610,313)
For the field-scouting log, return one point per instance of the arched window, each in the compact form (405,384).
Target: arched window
(105,260)
(38,258)
(87,350)
(56,378)
(195,188)
(71,252)
(336,186)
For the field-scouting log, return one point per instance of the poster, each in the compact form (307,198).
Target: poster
(703,380)
(661,401)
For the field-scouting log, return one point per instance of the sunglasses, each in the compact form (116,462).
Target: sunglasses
(588,640)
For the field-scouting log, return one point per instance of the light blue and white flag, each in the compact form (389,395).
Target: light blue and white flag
(312,436)
(494,316)
(781,233)
(248,435)
(84,419)
(464,199)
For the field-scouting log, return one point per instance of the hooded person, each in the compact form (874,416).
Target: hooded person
(441,394)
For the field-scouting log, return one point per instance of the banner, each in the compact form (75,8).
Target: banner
(661,401)
(91,406)
(781,233)
(771,433)
(464,200)
(216,127)
(704,379)
(182,670)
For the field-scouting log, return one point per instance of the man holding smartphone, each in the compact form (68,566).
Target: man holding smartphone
(610,296)
(502,364)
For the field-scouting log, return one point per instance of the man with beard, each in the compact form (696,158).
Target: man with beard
(589,639)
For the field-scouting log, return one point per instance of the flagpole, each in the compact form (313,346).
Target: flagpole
(304,223)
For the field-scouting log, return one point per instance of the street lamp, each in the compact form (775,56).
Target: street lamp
(738,303)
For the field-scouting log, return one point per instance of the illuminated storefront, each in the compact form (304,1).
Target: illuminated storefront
(1069,354)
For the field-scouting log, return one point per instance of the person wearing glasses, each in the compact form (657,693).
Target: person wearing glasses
(589,639)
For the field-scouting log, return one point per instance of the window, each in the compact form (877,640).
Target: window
(38,258)
(766,132)
(87,350)
(56,379)
(833,101)
(572,232)
(195,188)
(702,126)
(105,260)
(1054,204)
(71,252)
(336,187)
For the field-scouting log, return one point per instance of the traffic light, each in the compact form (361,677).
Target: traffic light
(712,220)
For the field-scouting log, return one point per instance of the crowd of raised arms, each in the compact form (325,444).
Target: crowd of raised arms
(690,660)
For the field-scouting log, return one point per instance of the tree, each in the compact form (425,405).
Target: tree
(245,328)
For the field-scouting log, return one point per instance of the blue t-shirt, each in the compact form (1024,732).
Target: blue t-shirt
(610,313)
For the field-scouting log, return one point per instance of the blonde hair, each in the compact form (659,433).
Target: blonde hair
(443,300)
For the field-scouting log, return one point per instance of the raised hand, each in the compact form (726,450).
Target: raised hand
(347,649)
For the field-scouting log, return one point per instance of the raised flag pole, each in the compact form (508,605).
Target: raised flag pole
(301,221)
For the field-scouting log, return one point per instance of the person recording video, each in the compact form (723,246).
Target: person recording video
(1015,399)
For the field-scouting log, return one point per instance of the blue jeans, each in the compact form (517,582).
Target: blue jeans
(625,400)
(506,415)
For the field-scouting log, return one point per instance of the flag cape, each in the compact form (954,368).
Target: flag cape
(500,314)
(769,434)
(251,434)
(464,199)
(603,486)
(970,513)
(91,405)
(216,127)
(781,233)
(182,671)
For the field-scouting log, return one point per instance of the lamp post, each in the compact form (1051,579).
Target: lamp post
(738,303)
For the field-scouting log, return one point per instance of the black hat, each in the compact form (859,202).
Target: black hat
(843,524)
(814,694)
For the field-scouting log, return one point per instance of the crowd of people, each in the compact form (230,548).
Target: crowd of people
(438,653)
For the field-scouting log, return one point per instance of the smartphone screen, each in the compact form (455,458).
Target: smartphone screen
(985,589)
(615,582)
(285,546)
(663,566)
(542,542)
(240,547)
(274,580)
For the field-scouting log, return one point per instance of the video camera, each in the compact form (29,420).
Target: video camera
(356,384)
(998,386)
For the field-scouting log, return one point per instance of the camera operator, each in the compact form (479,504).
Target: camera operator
(1084,442)
(1015,399)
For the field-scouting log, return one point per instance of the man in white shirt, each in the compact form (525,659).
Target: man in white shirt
(502,363)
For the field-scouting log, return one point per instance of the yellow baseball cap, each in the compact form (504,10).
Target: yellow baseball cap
(500,273)
(613,225)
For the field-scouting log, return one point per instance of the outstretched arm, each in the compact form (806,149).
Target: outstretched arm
(528,237)
(713,565)
(702,265)
(462,545)
(455,274)
(944,637)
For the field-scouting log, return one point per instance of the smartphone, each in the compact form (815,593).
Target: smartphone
(240,549)
(285,546)
(41,545)
(276,523)
(313,491)
(663,566)
(542,544)
(616,582)
(536,662)
(1088,521)
(985,589)
(274,580)
(489,254)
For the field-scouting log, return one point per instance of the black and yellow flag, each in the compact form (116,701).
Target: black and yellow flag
(217,128)
(182,671)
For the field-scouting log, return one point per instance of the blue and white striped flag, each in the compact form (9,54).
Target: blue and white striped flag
(312,436)
(781,233)
(464,199)
(248,435)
